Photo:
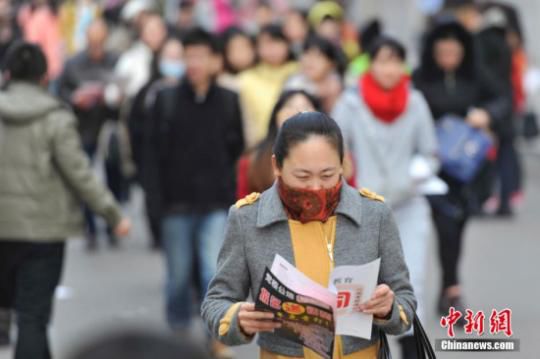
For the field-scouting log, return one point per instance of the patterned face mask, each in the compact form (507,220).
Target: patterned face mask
(307,205)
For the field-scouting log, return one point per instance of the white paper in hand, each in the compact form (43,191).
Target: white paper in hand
(432,186)
(427,182)
(354,285)
(419,169)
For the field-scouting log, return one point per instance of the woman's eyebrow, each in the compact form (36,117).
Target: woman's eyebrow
(329,169)
(301,171)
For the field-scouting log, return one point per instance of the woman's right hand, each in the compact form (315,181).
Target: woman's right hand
(252,322)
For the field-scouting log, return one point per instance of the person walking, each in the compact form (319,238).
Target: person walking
(198,141)
(313,219)
(82,85)
(322,66)
(39,24)
(260,86)
(168,68)
(452,82)
(388,128)
(44,173)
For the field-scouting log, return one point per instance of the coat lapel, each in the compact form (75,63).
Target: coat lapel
(270,209)
(272,222)
(348,222)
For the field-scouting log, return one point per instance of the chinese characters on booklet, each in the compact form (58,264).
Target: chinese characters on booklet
(312,315)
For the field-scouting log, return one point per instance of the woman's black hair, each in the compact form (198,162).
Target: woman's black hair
(333,53)
(25,62)
(275,32)
(227,36)
(300,127)
(390,43)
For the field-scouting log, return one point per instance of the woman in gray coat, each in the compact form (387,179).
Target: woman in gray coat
(313,219)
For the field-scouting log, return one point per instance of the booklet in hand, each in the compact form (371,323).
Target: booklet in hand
(312,315)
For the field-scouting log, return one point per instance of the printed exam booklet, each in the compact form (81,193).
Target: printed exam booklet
(311,314)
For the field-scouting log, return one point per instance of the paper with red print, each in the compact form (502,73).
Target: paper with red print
(349,286)
(354,285)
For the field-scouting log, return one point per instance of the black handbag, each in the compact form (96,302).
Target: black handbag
(423,346)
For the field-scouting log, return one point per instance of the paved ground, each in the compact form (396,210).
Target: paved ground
(115,290)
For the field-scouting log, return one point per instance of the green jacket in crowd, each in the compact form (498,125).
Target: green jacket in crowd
(44,173)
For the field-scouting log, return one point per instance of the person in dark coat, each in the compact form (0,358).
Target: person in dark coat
(82,85)
(9,33)
(488,24)
(497,56)
(453,83)
(199,138)
(167,69)
(9,29)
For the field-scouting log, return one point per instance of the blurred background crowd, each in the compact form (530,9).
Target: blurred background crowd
(183,99)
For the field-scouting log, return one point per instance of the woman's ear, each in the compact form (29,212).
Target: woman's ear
(347,166)
(275,167)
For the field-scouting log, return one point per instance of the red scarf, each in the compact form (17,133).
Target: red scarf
(307,205)
(386,105)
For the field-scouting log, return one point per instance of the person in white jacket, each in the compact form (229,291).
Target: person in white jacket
(387,127)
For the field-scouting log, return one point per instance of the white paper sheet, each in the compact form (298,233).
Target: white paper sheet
(428,183)
(355,285)
(419,168)
(432,186)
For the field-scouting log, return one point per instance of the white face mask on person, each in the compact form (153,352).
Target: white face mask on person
(172,69)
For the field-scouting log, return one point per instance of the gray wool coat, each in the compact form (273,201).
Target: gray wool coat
(365,230)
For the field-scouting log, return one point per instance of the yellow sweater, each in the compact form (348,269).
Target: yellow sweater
(309,243)
(259,89)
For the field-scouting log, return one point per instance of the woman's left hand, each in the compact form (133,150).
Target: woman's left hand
(380,303)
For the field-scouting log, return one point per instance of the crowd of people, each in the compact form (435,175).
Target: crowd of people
(186,99)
